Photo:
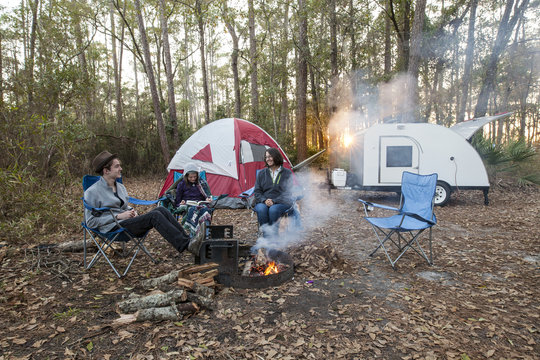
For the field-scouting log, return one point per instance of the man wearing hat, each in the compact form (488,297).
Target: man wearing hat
(107,192)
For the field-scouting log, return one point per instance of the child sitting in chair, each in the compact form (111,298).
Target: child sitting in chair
(193,188)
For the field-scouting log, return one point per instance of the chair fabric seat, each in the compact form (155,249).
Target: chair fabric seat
(399,222)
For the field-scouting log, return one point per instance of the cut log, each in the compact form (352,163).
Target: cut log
(198,268)
(186,283)
(205,302)
(151,301)
(74,246)
(247,268)
(160,281)
(173,313)
(207,275)
(203,290)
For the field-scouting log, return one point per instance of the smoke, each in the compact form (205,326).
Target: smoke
(314,210)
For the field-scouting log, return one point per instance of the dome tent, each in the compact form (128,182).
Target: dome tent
(230,151)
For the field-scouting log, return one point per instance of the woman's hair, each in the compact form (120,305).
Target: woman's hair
(275,154)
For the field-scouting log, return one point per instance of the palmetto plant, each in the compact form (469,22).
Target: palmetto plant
(515,158)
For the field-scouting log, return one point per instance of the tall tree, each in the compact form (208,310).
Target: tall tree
(284,110)
(116,71)
(230,24)
(152,83)
(387,41)
(506,25)
(301,87)
(169,72)
(469,56)
(30,60)
(415,56)
(202,45)
(253,60)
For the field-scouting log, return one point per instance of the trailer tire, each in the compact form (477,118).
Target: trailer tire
(442,193)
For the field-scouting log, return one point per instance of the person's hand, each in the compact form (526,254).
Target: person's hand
(182,202)
(268,202)
(209,199)
(127,214)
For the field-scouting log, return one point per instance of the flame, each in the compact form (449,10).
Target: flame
(271,268)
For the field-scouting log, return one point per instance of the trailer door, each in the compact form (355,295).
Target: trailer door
(397,154)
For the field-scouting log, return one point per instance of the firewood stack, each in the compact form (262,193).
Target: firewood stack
(172,296)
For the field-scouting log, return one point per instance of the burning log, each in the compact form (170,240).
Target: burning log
(138,302)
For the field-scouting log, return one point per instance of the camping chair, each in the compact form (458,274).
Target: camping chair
(104,241)
(414,216)
(292,212)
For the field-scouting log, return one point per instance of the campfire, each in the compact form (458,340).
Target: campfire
(260,264)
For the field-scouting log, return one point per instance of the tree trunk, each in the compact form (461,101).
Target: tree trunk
(1,76)
(253,60)
(387,42)
(415,56)
(504,31)
(284,111)
(30,59)
(169,73)
(152,83)
(116,72)
(301,131)
(229,23)
(469,56)
(200,23)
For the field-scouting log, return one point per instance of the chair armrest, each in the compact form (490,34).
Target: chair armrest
(368,203)
(145,202)
(418,217)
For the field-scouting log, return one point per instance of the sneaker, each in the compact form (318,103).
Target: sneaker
(195,243)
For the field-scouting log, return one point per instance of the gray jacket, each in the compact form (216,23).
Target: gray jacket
(101,195)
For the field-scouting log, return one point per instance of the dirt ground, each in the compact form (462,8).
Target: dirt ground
(479,300)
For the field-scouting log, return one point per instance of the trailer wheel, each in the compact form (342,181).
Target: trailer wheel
(442,193)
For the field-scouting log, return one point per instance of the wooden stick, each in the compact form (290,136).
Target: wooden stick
(198,268)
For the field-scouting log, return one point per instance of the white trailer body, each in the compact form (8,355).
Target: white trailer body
(381,153)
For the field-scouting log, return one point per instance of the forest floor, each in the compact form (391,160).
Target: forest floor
(480,299)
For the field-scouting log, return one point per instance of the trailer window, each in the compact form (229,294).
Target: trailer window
(399,156)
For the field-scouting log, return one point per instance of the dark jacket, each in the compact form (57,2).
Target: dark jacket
(279,191)
(185,191)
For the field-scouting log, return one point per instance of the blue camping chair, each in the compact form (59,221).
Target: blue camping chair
(104,241)
(414,216)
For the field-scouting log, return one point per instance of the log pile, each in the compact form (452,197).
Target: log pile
(172,296)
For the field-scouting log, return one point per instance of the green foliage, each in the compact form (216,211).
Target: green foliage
(516,159)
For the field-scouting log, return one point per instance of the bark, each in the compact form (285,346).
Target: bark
(169,73)
(200,25)
(152,83)
(352,31)
(253,61)
(30,60)
(116,72)
(1,75)
(333,42)
(172,313)
(415,56)
(88,112)
(229,23)
(387,42)
(284,111)
(403,34)
(138,302)
(504,31)
(301,89)
(469,56)
(160,281)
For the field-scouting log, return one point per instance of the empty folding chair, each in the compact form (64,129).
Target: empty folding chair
(104,241)
(414,216)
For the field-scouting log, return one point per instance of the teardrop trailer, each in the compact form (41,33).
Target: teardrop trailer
(380,154)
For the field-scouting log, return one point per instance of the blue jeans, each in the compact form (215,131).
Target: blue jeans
(270,215)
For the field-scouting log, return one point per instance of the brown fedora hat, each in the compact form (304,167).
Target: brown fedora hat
(101,160)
